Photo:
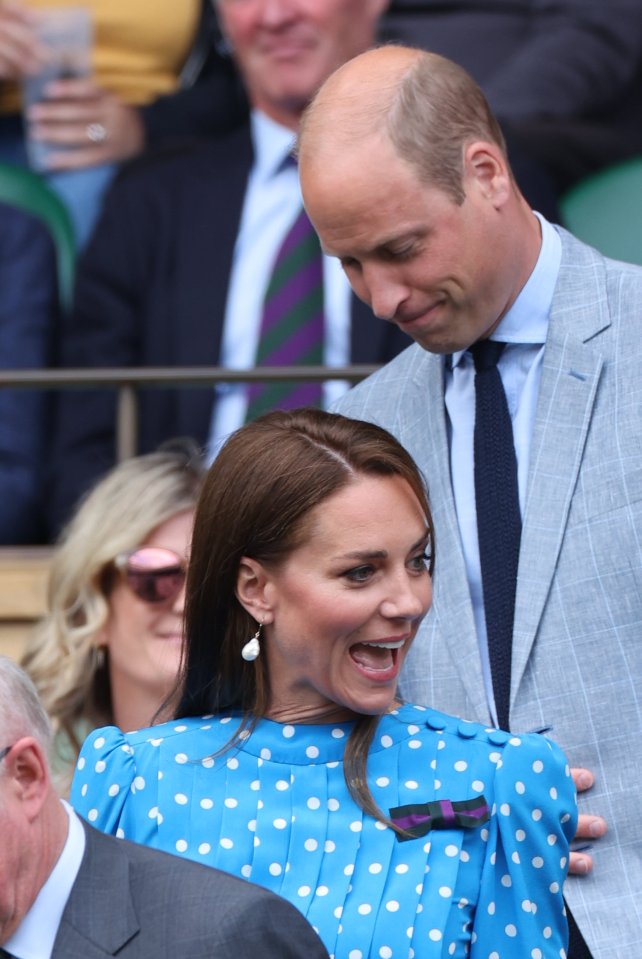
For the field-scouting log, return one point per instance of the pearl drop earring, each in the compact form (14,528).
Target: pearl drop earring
(252,648)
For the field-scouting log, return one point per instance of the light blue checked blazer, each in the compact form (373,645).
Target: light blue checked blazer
(577,642)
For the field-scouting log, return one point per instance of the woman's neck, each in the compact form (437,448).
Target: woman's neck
(134,706)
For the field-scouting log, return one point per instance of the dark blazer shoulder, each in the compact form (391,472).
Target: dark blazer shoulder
(187,164)
(136,902)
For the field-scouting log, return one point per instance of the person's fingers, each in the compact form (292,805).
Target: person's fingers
(80,158)
(74,88)
(70,109)
(590,827)
(62,134)
(20,51)
(580,864)
(18,11)
(65,113)
(101,130)
(583,778)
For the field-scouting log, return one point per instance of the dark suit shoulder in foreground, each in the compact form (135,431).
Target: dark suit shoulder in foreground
(138,903)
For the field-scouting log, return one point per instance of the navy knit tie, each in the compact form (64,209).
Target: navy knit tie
(499,522)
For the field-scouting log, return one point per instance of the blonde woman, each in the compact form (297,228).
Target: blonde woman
(109,647)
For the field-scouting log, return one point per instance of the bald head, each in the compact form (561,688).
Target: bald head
(428,108)
(355,99)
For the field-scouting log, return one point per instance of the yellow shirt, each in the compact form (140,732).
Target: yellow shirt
(140,46)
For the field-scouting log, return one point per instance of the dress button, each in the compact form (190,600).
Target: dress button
(498,737)
(467,730)
(436,723)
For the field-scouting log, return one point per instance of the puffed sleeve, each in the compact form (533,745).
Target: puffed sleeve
(520,911)
(106,784)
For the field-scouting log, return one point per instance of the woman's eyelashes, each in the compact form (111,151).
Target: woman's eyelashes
(419,563)
(359,574)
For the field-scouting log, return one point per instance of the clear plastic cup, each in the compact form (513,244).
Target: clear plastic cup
(68,35)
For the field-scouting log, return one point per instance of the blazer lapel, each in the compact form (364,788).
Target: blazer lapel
(430,447)
(570,376)
(93,925)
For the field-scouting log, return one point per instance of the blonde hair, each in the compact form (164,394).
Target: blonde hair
(62,655)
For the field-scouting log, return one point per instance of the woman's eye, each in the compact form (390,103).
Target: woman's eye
(421,562)
(359,574)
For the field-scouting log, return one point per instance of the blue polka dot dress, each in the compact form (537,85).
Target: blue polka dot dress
(275,809)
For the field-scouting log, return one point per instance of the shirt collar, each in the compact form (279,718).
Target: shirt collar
(37,932)
(527,320)
(272,143)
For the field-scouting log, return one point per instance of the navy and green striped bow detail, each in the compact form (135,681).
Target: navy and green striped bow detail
(417,819)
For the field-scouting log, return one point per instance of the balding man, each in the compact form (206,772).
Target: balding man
(538,516)
(70,892)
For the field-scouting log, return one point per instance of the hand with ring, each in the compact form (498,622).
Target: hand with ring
(96,132)
(90,125)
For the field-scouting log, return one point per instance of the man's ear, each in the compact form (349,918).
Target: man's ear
(251,589)
(27,768)
(486,166)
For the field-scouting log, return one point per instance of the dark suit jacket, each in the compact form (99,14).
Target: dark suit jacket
(141,903)
(28,316)
(563,76)
(151,291)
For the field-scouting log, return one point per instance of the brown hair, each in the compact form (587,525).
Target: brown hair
(255,502)
(437,109)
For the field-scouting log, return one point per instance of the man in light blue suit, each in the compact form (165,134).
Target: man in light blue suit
(405,176)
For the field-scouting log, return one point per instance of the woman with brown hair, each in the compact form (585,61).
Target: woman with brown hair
(395,829)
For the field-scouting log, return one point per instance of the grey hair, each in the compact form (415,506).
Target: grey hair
(21,712)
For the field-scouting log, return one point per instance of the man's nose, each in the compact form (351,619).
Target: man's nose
(275,12)
(384,293)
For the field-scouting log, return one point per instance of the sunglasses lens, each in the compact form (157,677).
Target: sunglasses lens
(155,575)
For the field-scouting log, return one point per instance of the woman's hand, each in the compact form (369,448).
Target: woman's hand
(20,51)
(77,113)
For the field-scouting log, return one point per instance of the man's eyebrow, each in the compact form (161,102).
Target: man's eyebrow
(385,243)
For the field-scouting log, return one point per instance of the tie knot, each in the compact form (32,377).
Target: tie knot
(486,354)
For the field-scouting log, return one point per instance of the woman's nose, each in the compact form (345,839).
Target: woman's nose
(409,599)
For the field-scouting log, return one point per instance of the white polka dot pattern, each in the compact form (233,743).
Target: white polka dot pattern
(277,811)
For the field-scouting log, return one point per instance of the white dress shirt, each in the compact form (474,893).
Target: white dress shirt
(272,204)
(524,330)
(36,934)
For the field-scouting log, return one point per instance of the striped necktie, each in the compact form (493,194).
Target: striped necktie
(292,324)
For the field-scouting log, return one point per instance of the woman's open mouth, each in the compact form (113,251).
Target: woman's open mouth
(378,660)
